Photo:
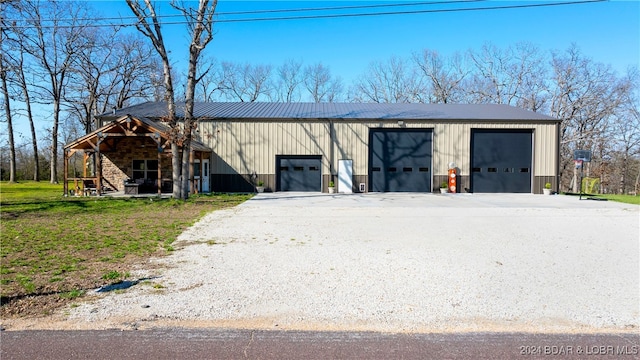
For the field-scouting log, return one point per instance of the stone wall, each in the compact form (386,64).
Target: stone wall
(117,163)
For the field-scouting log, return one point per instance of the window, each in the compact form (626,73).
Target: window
(145,169)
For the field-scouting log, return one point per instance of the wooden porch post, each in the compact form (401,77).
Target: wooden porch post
(66,170)
(98,172)
(84,170)
(101,138)
(159,171)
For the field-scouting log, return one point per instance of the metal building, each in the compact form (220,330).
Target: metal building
(370,147)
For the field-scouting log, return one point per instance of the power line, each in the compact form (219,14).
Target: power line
(329,16)
(252,12)
(407,12)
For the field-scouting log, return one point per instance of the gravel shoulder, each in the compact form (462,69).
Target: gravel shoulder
(414,263)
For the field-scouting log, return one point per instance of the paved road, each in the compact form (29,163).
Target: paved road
(240,344)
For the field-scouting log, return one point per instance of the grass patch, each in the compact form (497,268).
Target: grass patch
(72,294)
(112,275)
(627,199)
(51,245)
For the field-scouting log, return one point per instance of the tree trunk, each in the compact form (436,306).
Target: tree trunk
(175,171)
(203,26)
(186,174)
(34,143)
(203,23)
(54,142)
(625,169)
(7,108)
(32,127)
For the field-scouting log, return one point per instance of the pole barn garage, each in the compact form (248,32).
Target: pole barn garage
(386,147)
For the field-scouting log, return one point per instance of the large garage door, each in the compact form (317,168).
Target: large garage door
(501,161)
(400,160)
(299,173)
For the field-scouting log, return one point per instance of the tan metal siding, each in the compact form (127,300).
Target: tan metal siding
(245,147)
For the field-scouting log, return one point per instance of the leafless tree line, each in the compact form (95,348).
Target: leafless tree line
(53,60)
(77,71)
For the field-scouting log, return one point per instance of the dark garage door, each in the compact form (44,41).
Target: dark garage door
(400,160)
(299,173)
(501,161)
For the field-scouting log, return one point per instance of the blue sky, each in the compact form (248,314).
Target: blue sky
(608,32)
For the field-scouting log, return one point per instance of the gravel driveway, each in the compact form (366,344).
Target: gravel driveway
(394,263)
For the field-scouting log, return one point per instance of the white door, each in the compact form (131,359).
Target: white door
(201,172)
(345,176)
(205,176)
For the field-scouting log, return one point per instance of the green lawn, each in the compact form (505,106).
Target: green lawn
(54,248)
(628,199)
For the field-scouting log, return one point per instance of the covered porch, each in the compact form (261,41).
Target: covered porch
(130,155)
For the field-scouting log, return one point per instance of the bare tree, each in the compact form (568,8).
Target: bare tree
(585,95)
(156,77)
(625,133)
(149,25)
(390,82)
(444,76)
(13,48)
(130,80)
(245,83)
(289,80)
(531,73)
(320,84)
(22,80)
(209,85)
(200,23)
(4,87)
(512,76)
(110,71)
(54,45)
(91,66)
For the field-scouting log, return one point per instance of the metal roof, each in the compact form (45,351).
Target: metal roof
(117,126)
(345,111)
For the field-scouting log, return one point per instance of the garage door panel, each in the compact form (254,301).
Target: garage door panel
(400,160)
(501,161)
(299,173)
